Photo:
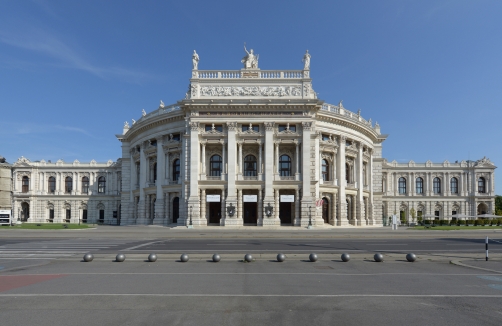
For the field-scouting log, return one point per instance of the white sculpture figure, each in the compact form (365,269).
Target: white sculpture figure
(250,61)
(340,105)
(306,61)
(126,124)
(143,113)
(195,60)
(170,137)
(133,121)
(161,104)
(359,112)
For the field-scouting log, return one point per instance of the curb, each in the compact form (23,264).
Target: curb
(459,263)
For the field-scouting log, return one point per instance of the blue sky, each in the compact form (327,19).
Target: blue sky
(430,72)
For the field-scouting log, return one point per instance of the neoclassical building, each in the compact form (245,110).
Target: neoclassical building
(249,147)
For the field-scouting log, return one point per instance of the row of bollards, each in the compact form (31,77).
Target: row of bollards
(378,257)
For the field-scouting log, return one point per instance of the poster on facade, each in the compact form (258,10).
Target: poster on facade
(250,198)
(287,198)
(4,216)
(213,198)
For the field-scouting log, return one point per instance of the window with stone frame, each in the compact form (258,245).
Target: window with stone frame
(215,127)
(176,169)
(51,185)
(402,185)
(101,185)
(325,170)
(436,185)
(285,166)
(481,185)
(454,185)
(250,165)
(85,185)
(68,185)
(25,184)
(215,166)
(419,185)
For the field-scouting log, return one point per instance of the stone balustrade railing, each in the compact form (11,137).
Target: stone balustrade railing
(348,114)
(235,74)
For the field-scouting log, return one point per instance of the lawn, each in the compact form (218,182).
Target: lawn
(49,226)
(454,227)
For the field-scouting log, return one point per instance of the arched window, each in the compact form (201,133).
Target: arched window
(52,185)
(101,185)
(436,183)
(454,185)
(68,185)
(285,166)
(325,170)
(402,185)
(176,169)
(481,185)
(85,185)
(250,166)
(347,173)
(215,165)
(419,185)
(26,184)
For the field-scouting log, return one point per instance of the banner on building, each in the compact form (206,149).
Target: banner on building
(213,198)
(250,198)
(287,198)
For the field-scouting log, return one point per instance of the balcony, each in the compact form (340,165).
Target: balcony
(246,177)
(289,178)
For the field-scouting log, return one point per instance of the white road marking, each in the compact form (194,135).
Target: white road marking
(143,245)
(257,295)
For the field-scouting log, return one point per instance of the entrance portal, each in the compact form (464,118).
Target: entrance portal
(176,209)
(285,212)
(325,210)
(250,213)
(214,212)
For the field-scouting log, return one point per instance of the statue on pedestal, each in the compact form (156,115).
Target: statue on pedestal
(195,60)
(306,60)
(250,61)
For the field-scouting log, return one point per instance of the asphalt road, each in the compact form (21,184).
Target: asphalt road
(68,292)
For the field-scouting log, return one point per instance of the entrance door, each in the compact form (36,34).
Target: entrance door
(250,213)
(214,212)
(325,210)
(285,213)
(176,209)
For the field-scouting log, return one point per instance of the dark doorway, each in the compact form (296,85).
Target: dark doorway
(250,213)
(325,210)
(285,213)
(176,209)
(214,212)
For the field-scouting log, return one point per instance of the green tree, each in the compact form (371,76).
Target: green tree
(413,214)
(498,205)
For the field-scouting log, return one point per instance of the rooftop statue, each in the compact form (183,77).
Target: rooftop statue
(195,60)
(306,60)
(2,159)
(250,61)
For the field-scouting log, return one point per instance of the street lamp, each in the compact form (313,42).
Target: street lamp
(310,218)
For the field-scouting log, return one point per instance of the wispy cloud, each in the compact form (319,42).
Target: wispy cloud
(32,129)
(68,57)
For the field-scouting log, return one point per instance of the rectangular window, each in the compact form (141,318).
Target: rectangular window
(101,215)
(325,137)
(68,214)
(215,127)
(287,127)
(254,128)
(176,137)
(84,216)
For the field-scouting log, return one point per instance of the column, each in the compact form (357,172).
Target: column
(276,204)
(223,219)
(276,158)
(260,167)
(223,160)
(297,156)
(143,174)
(447,183)
(168,208)
(260,206)
(159,204)
(307,199)
(333,168)
(193,199)
(333,210)
(132,177)
(204,160)
(321,181)
(168,167)
(372,218)
(241,170)
(269,174)
(43,182)
(14,182)
(232,173)
(297,204)
(239,203)
(411,189)
(427,190)
(359,203)
(203,205)
(342,206)
(461,184)
(492,185)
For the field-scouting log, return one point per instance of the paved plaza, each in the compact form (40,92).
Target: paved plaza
(43,280)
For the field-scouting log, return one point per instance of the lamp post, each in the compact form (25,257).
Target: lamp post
(190,225)
(310,218)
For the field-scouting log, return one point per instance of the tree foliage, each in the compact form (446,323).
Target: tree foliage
(498,205)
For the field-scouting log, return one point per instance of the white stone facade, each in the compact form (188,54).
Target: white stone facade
(439,190)
(5,190)
(60,192)
(250,147)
